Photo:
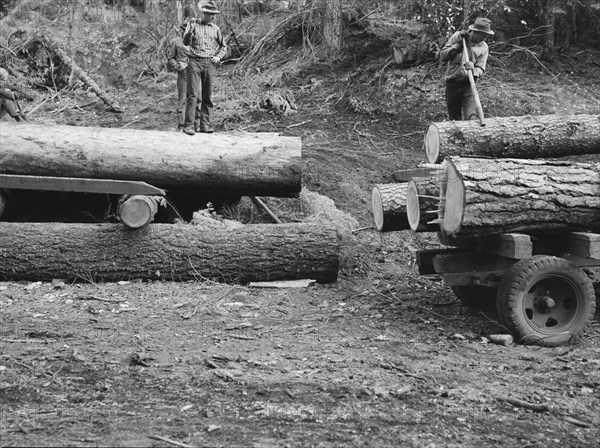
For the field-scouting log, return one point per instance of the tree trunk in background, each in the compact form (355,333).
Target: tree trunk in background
(43,251)
(179,11)
(332,24)
(547,23)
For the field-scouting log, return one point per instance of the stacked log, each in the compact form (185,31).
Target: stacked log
(484,196)
(111,252)
(389,200)
(539,136)
(422,201)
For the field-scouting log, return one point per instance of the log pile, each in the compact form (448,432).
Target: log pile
(470,194)
(244,164)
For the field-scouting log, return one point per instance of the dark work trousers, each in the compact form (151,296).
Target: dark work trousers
(200,74)
(460,101)
(182,96)
(10,107)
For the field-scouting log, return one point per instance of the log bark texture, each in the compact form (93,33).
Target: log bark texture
(527,137)
(43,251)
(254,164)
(389,207)
(484,196)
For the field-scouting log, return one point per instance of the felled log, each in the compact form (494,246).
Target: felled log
(110,252)
(254,164)
(485,196)
(54,47)
(389,207)
(422,203)
(527,137)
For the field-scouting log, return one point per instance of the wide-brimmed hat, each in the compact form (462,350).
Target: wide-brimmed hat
(482,25)
(210,8)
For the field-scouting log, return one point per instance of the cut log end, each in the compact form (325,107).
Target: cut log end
(454,206)
(377,209)
(137,211)
(413,210)
(432,144)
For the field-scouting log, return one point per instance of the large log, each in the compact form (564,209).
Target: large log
(254,164)
(43,251)
(528,137)
(484,196)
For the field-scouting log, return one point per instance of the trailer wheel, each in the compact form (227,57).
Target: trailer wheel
(545,300)
(476,296)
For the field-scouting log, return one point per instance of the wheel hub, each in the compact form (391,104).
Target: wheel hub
(549,305)
(549,302)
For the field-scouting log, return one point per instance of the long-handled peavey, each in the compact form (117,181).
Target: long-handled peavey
(473,86)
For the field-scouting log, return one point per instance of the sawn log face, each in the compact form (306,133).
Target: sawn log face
(253,164)
(43,251)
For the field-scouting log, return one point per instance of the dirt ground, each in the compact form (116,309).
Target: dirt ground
(382,357)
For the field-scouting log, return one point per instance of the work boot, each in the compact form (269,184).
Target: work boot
(189,131)
(207,129)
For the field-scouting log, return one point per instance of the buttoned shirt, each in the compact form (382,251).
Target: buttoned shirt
(178,53)
(478,55)
(205,40)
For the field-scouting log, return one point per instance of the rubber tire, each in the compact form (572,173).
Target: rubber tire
(521,277)
(475,296)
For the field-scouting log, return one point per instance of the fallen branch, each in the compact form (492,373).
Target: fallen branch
(53,46)
(266,209)
(171,441)
(526,405)
(101,299)
(576,422)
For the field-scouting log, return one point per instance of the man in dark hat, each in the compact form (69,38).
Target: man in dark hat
(206,49)
(459,97)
